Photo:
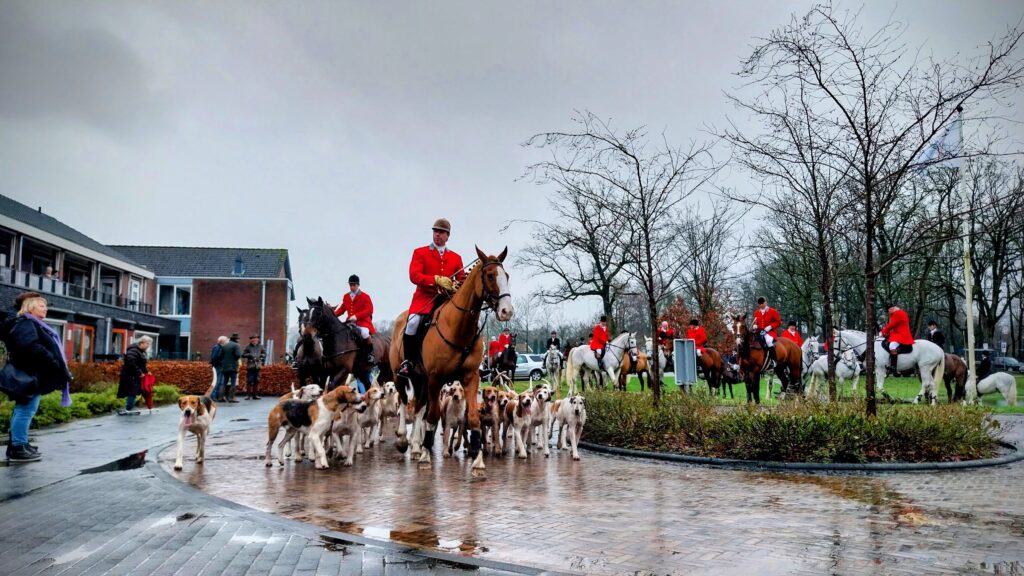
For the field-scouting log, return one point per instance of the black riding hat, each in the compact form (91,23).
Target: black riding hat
(353,279)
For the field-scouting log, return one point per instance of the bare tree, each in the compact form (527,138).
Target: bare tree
(884,106)
(707,248)
(643,185)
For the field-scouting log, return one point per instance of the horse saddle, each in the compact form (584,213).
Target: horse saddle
(758,343)
(903,349)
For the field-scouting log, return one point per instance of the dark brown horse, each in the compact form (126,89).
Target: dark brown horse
(751,352)
(955,371)
(309,353)
(452,350)
(341,352)
(505,361)
(710,362)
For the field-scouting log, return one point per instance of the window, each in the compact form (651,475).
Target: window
(174,300)
(521,359)
(239,268)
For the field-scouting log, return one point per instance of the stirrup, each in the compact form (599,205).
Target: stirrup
(405,369)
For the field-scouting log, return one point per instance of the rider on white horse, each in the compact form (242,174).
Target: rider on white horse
(554,340)
(897,333)
(599,341)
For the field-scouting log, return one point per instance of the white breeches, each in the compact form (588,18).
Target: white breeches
(768,340)
(364,332)
(413,324)
(894,345)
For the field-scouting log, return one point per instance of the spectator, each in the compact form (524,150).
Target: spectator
(34,348)
(130,384)
(936,335)
(231,352)
(216,354)
(255,356)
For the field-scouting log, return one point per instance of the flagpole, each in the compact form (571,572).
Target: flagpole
(972,384)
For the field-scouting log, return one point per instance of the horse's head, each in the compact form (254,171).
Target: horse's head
(631,344)
(739,328)
(494,288)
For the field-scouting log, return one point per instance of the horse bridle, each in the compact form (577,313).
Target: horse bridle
(490,300)
(342,326)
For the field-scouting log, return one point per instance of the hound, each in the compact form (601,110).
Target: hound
(369,420)
(570,413)
(389,407)
(307,392)
(345,427)
(490,417)
(540,426)
(521,412)
(310,417)
(453,418)
(505,425)
(197,414)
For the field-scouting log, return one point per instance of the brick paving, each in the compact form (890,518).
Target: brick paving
(75,513)
(612,515)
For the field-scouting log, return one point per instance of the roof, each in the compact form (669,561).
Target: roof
(201,262)
(37,219)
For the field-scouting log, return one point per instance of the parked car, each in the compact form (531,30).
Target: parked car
(530,366)
(1007,364)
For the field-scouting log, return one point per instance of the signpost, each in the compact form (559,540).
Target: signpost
(685,353)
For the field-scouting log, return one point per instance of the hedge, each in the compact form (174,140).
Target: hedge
(189,377)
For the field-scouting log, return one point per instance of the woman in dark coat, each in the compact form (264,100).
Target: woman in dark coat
(34,348)
(130,384)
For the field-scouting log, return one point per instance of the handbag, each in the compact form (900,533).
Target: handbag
(16,383)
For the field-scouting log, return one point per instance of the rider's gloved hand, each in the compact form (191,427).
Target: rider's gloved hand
(444,282)
(351,318)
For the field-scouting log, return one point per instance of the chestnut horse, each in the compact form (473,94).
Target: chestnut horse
(955,372)
(709,361)
(634,363)
(753,357)
(452,350)
(341,352)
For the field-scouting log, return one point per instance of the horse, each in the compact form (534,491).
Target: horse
(553,366)
(927,357)
(452,350)
(847,368)
(1004,382)
(504,362)
(341,351)
(955,370)
(309,354)
(582,358)
(634,363)
(710,362)
(753,357)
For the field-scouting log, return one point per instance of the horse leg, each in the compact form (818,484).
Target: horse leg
(433,415)
(401,430)
(471,385)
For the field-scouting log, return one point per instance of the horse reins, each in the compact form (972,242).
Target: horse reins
(490,301)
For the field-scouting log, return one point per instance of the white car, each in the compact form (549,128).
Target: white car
(530,366)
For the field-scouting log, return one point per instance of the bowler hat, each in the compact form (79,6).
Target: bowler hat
(353,279)
(442,224)
(254,336)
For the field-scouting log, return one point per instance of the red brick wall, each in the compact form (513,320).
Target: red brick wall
(220,307)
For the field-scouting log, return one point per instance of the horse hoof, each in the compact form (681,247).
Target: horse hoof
(402,446)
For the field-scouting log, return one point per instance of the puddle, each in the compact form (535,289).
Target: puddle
(132,462)
(239,420)
(243,540)
(421,538)
(73,556)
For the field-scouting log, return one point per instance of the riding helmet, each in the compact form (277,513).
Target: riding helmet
(353,279)
(442,224)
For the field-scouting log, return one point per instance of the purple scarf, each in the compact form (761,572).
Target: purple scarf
(65,396)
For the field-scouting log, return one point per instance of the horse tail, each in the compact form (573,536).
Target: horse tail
(1011,392)
(938,374)
(570,371)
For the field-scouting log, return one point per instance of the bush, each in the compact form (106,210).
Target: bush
(189,377)
(798,431)
(101,399)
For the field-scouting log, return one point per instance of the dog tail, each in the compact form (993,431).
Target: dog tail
(213,382)
(570,371)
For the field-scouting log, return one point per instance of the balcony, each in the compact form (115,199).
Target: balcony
(45,285)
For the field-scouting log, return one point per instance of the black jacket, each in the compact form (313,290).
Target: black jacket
(131,372)
(31,350)
(230,353)
(938,338)
(556,342)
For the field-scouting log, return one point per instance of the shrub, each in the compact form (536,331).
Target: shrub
(798,431)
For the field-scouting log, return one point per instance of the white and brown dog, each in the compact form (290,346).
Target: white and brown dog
(310,417)
(197,414)
(369,420)
(540,427)
(570,415)
(390,404)
(307,392)
(521,412)
(453,418)
(490,418)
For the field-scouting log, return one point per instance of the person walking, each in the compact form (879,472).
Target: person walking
(255,356)
(35,349)
(231,353)
(216,353)
(130,384)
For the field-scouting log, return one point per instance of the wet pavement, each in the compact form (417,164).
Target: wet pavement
(613,515)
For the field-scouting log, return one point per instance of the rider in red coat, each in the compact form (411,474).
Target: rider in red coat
(599,340)
(665,335)
(791,333)
(359,308)
(431,270)
(696,333)
(897,332)
(766,319)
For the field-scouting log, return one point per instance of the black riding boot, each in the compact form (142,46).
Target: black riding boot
(771,357)
(893,358)
(600,359)
(367,346)
(411,350)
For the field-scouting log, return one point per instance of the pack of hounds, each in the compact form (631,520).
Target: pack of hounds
(342,422)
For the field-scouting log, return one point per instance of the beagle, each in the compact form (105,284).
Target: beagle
(310,417)
(197,414)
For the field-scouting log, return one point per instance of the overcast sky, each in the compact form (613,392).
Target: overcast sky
(341,130)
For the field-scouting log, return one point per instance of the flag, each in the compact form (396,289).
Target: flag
(944,150)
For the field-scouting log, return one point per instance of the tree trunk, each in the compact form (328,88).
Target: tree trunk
(869,301)
(652,360)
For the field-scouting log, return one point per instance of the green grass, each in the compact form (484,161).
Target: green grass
(899,388)
(100,399)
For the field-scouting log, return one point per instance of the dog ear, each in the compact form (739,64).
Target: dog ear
(181,403)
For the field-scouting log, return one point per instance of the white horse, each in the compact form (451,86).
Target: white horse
(847,368)
(928,358)
(1002,381)
(553,365)
(808,355)
(582,358)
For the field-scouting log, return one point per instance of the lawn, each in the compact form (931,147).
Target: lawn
(899,388)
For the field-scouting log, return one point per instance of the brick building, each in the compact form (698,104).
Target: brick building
(218,291)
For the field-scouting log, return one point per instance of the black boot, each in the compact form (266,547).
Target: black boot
(367,346)
(411,350)
(21,454)
(893,358)
(771,357)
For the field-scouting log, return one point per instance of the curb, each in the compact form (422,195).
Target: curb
(1016,456)
(314,531)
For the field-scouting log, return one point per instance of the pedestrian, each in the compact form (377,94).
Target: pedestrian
(34,349)
(216,354)
(936,335)
(231,353)
(255,356)
(130,384)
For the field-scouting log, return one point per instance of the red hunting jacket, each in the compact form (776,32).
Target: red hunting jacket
(666,336)
(361,308)
(768,319)
(426,263)
(699,337)
(792,335)
(898,328)
(600,338)
(504,340)
(493,348)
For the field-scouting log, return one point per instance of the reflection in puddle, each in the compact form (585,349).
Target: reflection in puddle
(421,538)
(137,460)
(243,540)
